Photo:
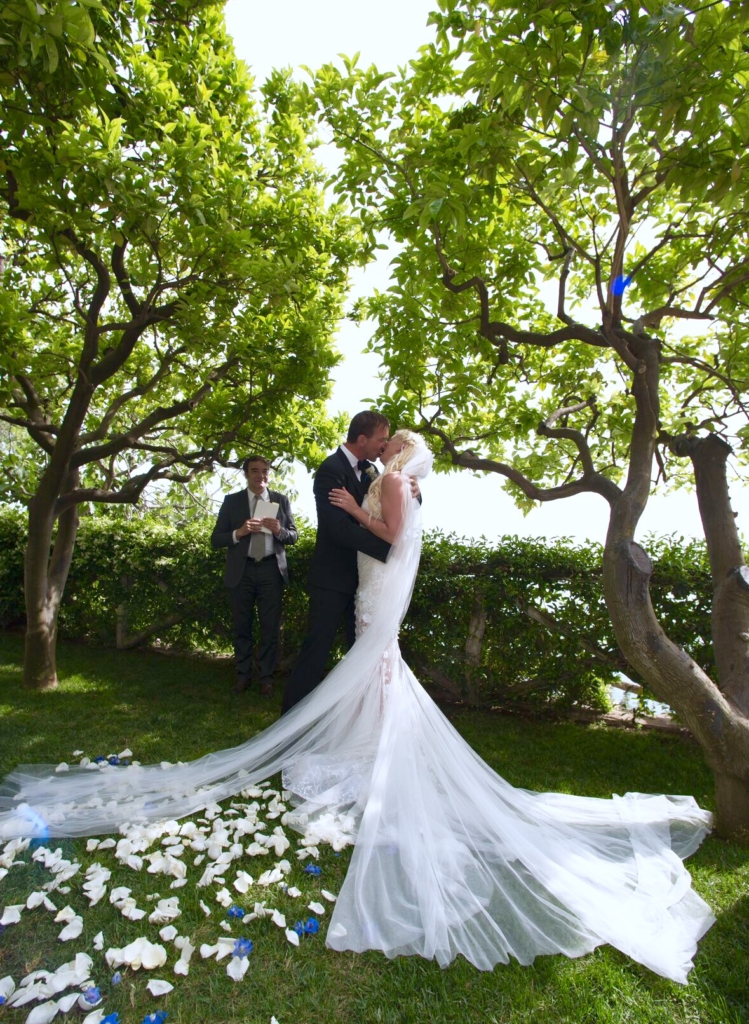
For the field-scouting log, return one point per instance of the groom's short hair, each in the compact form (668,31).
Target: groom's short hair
(366,423)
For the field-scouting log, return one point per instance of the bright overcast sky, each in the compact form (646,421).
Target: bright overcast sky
(289,33)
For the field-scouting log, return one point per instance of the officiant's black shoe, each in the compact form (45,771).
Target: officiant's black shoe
(241,684)
(266,688)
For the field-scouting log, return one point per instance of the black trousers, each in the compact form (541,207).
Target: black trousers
(327,609)
(261,585)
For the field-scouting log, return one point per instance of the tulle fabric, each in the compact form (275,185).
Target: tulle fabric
(448,857)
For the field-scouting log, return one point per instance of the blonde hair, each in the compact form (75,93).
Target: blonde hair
(398,461)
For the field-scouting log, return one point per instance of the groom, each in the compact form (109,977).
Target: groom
(332,579)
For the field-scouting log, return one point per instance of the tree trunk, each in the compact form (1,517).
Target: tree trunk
(730,612)
(45,576)
(713,717)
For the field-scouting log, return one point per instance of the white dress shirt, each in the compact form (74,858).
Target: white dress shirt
(268,537)
(354,462)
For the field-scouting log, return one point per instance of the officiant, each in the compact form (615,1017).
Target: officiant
(255,525)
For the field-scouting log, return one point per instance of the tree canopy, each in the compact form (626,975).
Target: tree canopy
(172,275)
(555,174)
(166,249)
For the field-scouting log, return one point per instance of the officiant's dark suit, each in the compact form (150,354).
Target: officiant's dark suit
(333,578)
(254,577)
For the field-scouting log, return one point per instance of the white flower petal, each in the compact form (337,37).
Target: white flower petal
(95,1017)
(63,766)
(66,1004)
(225,947)
(157,987)
(206,910)
(12,914)
(278,919)
(292,937)
(99,941)
(43,1013)
(71,930)
(225,925)
(242,882)
(7,987)
(237,967)
(328,895)
(293,892)
(316,908)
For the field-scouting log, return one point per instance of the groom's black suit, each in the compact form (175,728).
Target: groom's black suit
(332,577)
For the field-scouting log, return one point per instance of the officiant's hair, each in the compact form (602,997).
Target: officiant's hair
(255,458)
(366,423)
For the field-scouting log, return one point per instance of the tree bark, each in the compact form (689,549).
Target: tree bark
(715,720)
(730,612)
(45,576)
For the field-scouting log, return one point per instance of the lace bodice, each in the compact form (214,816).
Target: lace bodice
(371,577)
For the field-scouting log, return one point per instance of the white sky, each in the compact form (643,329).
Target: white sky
(313,32)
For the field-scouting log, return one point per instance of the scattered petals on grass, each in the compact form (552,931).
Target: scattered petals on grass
(140,953)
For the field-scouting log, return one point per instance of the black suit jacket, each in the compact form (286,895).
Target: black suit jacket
(339,536)
(234,511)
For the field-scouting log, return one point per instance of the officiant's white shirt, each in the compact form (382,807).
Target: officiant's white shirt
(269,550)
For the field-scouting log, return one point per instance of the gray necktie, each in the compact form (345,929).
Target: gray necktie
(257,540)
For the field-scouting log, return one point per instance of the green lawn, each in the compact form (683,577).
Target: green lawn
(170,709)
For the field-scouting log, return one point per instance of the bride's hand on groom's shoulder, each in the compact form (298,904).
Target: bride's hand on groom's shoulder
(415,492)
(341,498)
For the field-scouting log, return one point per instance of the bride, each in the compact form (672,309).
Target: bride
(448,857)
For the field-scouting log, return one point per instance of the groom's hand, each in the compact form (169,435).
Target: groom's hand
(415,492)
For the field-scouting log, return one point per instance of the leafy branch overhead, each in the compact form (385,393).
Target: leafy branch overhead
(171,277)
(561,183)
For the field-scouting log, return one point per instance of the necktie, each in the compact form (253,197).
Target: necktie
(257,540)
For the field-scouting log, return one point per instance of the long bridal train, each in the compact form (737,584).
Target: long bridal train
(448,857)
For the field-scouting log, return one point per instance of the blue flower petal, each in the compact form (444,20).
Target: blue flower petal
(243,947)
(154,1018)
(116,978)
(111,1018)
(313,869)
(298,928)
(235,911)
(312,927)
(92,995)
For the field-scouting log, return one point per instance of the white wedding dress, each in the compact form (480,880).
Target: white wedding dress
(448,858)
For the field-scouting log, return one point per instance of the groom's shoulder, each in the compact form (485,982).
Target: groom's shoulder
(333,461)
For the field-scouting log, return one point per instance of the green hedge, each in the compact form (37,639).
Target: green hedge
(534,609)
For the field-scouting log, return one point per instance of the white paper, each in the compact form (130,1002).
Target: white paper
(266,510)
